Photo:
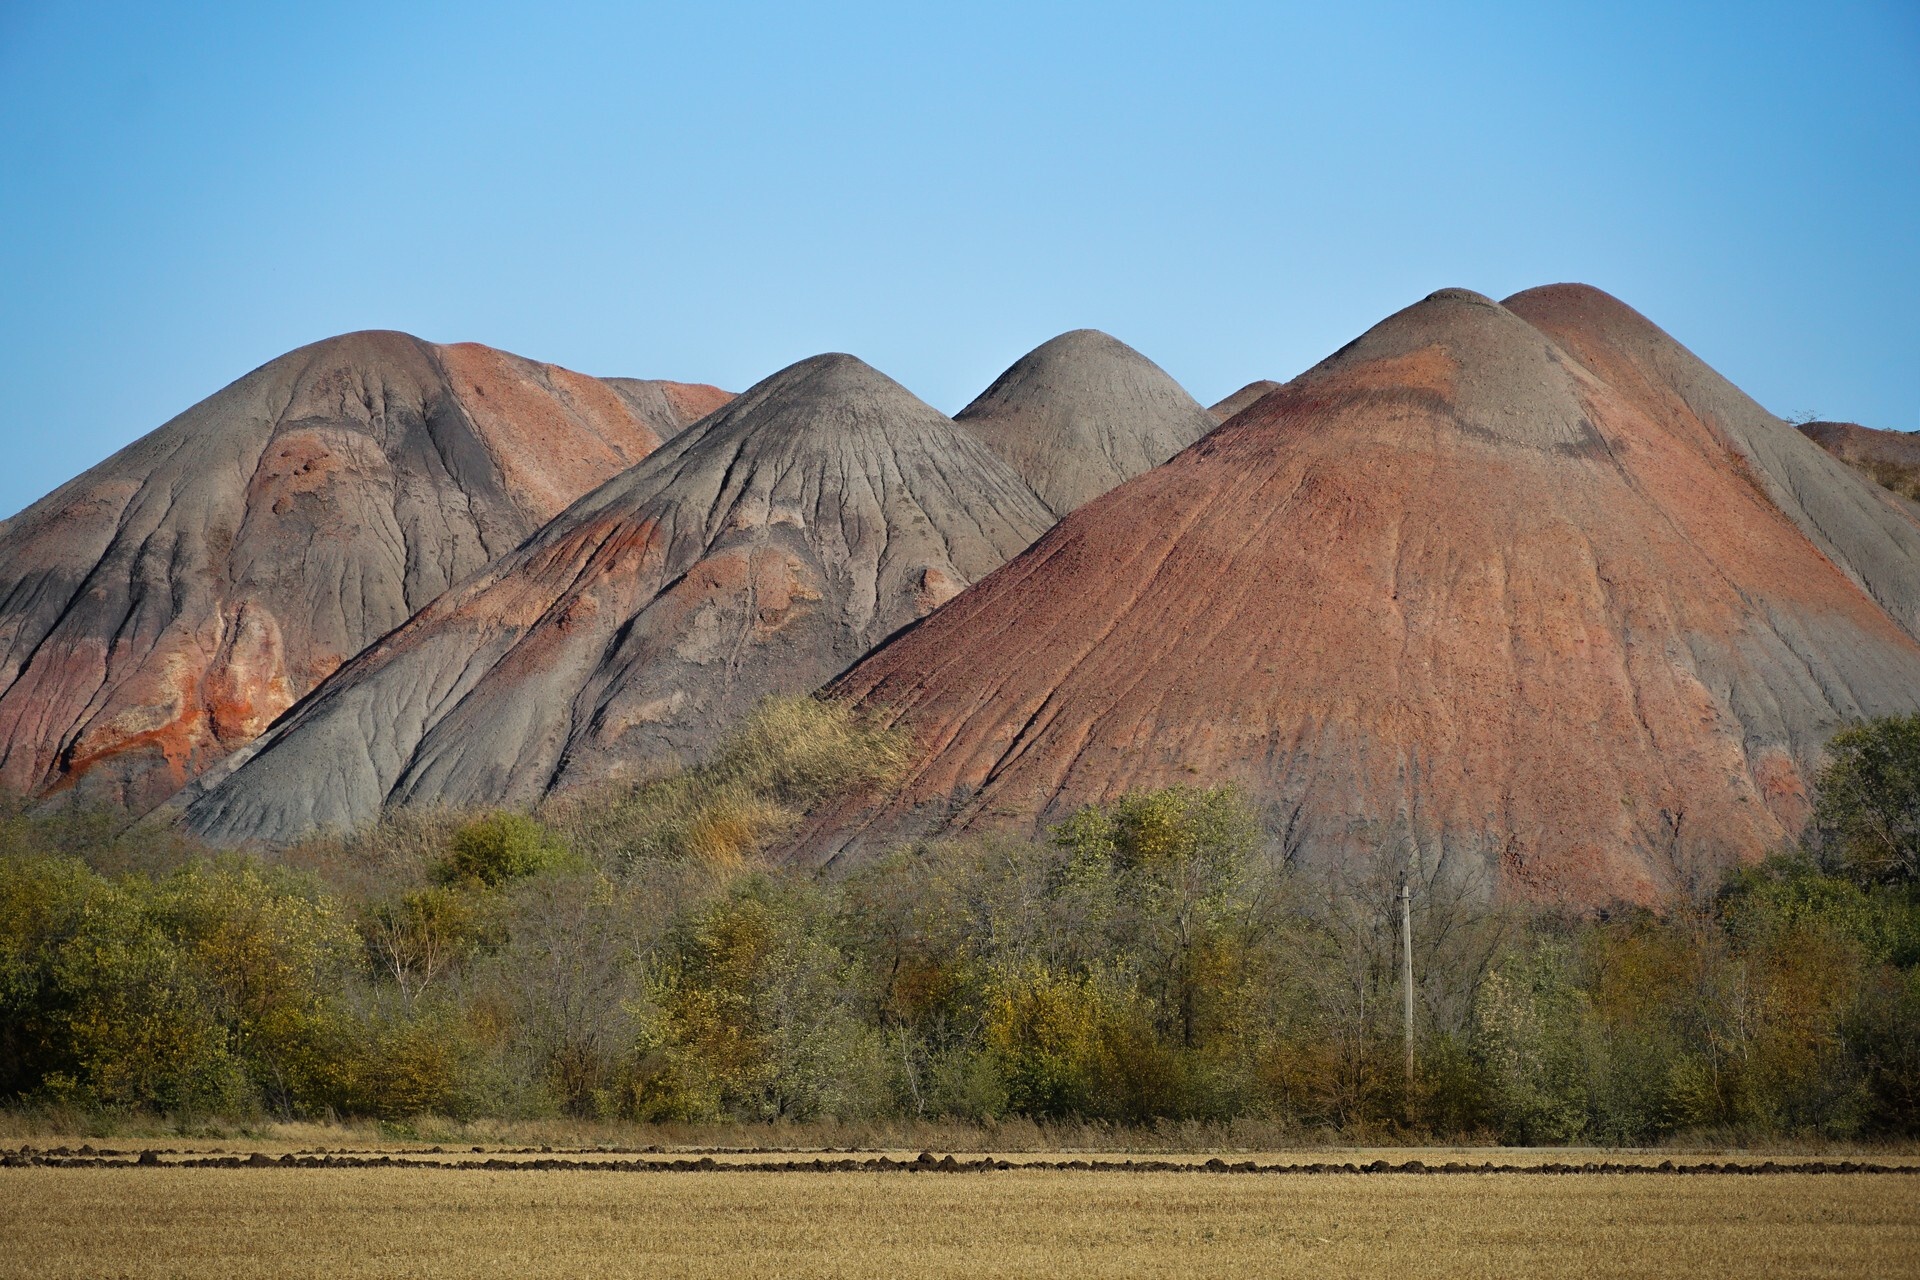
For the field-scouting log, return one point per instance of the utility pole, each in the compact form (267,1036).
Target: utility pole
(1406,965)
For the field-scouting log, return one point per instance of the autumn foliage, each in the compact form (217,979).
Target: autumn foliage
(1152,960)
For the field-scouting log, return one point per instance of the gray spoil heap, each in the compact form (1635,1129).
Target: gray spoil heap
(761,552)
(160,609)
(1083,413)
(1244,398)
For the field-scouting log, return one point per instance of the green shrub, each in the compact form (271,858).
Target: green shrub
(412,1065)
(212,988)
(754,1013)
(498,848)
(1532,1039)
(1083,1045)
(1883,1035)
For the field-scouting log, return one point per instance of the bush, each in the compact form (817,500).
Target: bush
(498,848)
(1883,1034)
(1072,1046)
(403,1066)
(1532,1039)
(787,757)
(211,989)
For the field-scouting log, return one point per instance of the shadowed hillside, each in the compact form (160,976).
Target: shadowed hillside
(1892,458)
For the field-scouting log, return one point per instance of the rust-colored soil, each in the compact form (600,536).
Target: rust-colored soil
(1456,590)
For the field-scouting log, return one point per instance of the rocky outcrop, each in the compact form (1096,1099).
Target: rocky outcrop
(760,552)
(161,609)
(1524,593)
(1082,413)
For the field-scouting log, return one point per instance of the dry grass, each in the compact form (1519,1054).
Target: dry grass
(418,1223)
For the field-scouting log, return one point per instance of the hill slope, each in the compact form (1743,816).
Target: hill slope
(1081,413)
(761,552)
(1872,536)
(1892,458)
(163,607)
(1452,591)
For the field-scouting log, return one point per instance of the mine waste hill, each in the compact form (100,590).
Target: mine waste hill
(1892,458)
(161,609)
(1081,413)
(1524,591)
(760,552)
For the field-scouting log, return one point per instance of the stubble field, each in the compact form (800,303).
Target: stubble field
(58,1222)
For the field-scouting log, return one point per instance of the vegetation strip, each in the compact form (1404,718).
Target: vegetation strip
(926,1162)
(1152,976)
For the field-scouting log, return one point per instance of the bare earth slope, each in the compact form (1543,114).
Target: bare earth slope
(1891,458)
(1447,585)
(760,552)
(162,608)
(1873,536)
(1081,413)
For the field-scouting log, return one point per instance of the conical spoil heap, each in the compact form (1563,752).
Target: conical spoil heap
(1081,413)
(1525,613)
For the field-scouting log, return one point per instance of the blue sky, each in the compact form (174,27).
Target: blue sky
(709,192)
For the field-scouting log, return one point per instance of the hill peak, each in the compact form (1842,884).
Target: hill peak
(1501,377)
(1082,413)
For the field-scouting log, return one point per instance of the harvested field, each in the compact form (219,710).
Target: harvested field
(384,1222)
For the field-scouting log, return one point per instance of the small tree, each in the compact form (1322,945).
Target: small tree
(1866,821)
(1174,862)
(419,937)
(1530,1035)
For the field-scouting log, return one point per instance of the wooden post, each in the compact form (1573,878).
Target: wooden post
(1406,966)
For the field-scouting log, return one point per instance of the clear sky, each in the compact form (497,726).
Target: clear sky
(711,191)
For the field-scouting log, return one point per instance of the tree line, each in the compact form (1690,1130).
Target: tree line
(627,954)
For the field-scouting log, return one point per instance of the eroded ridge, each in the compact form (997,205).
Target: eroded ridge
(161,609)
